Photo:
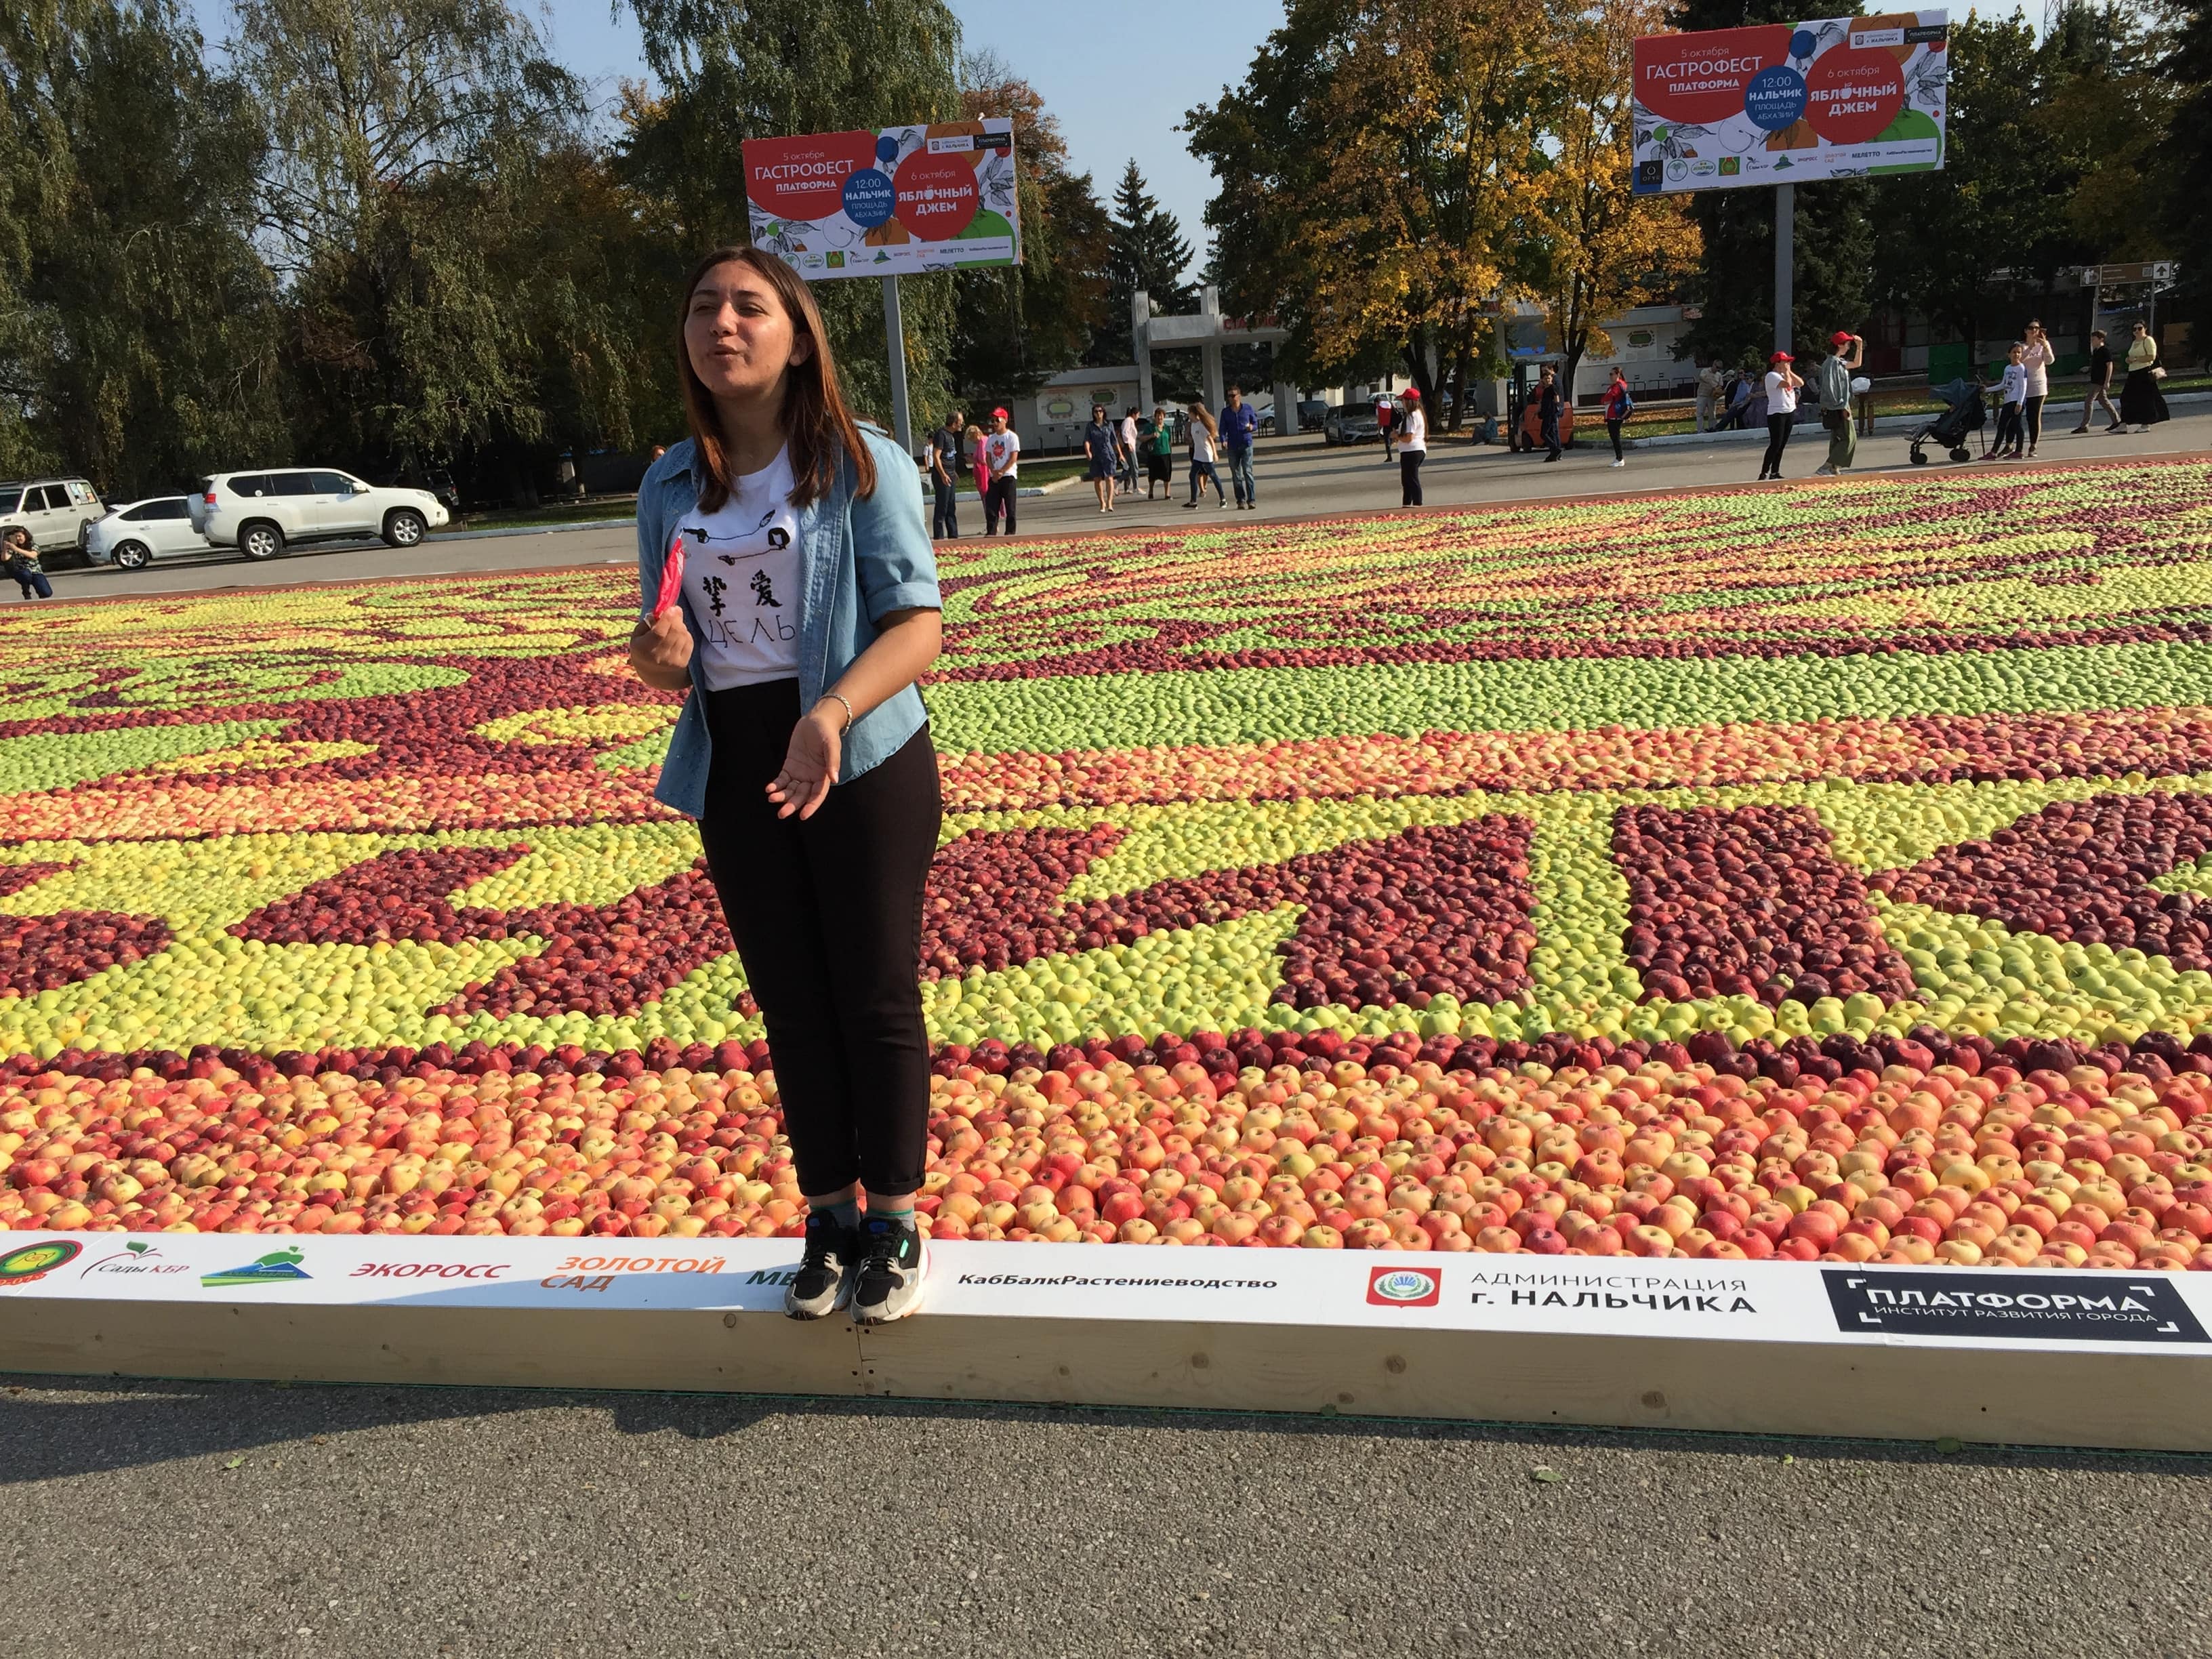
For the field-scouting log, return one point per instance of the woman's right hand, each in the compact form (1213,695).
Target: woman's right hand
(660,651)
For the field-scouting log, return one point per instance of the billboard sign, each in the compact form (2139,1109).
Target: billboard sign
(886,203)
(1782,103)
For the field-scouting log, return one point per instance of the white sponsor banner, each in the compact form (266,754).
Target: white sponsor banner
(1758,1302)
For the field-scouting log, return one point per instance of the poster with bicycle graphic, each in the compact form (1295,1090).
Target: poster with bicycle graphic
(1781,103)
(888,202)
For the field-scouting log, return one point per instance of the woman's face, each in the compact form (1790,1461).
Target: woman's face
(740,337)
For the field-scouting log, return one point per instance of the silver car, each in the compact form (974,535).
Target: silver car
(1350,423)
(137,533)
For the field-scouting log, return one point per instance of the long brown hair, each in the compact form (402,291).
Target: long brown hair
(817,424)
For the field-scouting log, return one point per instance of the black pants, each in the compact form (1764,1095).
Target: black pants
(1612,431)
(827,916)
(1778,439)
(2007,431)
(997,499)
(2031,412)
(1409,475)
(1551,423)
(945,516)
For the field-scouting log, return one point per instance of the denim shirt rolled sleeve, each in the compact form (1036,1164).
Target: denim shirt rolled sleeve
(861,559)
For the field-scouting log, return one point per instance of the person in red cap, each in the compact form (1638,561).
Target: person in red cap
(1846,351)
(1781,384)
(1412,446)
(1000,465)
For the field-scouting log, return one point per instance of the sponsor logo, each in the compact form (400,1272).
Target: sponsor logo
(1678,171)
(1731,165)
(429,1270)
(277,1267)
(2075,1307)
(1649,174)
(1863,38)
(1703,169)
(28,1263)
(137,1257)
(836,260)
(1404,1287)
(1781,164)
(1926,34)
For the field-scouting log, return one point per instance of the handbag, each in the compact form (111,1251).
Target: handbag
(2158,371)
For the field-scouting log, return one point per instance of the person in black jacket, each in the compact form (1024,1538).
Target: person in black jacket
(2100,385)
(1547,412)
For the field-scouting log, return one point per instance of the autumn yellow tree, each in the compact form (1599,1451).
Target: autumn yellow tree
(1610,248)
(1382,172)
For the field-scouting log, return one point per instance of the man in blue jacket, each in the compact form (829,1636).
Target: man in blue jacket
(1240,425)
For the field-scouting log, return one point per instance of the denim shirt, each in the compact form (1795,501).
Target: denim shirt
(858,561)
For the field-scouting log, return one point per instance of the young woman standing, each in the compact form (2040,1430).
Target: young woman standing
(1412,448)
(1619,401)
(1202,433)
(2036,358)
(808,608)
(1782,385)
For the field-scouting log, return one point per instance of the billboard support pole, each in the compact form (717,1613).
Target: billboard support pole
(895,332)
(1785,262)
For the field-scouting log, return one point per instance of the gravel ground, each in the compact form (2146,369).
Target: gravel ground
(222,1519)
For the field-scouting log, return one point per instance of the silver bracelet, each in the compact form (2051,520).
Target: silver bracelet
(832,696)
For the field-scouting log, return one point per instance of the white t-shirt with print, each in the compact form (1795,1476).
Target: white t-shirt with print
(1781,396)
(741,580)
(1413,432)
(1002,453)
(2015,384)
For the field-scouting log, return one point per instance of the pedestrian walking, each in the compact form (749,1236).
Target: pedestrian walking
(1548,411)
(1159,455)
(1126,437)
(1710,407)
(944,456)
(998,466)
(1846,351)
(1203,435)
(19,558)
(1240,428)
(1620,403)
(2009,437)
(1099,446)
(2100,395)
(2142,405)
(1386,417)
(2036,358)
(809,607)
(1739,403)
(1412,448)
(1781,384)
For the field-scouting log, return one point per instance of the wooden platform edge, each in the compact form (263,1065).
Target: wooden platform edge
(2145,1400)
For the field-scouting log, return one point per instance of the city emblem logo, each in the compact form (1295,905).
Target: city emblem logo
(1731,165)
(27,1263)
(1404,1287)
(277,1267)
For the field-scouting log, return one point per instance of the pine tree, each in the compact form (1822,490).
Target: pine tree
(1145,253)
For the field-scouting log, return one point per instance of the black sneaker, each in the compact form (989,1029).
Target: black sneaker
(894,1262)
(827,1273)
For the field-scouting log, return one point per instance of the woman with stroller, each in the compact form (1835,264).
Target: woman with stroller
(2142,405)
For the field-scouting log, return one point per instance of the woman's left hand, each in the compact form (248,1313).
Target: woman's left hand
(810,766)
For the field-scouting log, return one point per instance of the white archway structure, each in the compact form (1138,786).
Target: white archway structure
(1208,331)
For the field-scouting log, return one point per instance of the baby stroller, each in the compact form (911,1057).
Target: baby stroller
(1963,416)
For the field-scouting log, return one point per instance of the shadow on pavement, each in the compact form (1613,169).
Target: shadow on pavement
(53,1428)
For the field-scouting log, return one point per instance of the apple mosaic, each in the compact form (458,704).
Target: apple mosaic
(1811,871)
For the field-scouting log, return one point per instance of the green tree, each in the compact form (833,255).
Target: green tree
(403,198)
(2187,70)
(768,67)
(137,338)
(1145,253)
(1017,326)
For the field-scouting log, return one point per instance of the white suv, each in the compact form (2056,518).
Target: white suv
(54,510)
(260,512)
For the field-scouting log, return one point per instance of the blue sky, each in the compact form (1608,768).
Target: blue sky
(1119,76)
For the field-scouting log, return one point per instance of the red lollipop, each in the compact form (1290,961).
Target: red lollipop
(672,578)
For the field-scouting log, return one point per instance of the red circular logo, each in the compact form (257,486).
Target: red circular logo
(937,197)
(1853,96)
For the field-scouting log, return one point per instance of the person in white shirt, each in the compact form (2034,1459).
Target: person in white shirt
(2036,358)
(1412,446)
(1127,436)
(1001,464)
(1781,384)
(2009,436)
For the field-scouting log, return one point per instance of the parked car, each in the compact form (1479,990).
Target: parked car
(137,533)
(261,514)
(1350,423)
(54,510)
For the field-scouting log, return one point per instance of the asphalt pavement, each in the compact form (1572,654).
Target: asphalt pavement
(1296,478)
(234,1519)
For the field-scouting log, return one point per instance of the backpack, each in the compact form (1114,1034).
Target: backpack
(1620,404)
